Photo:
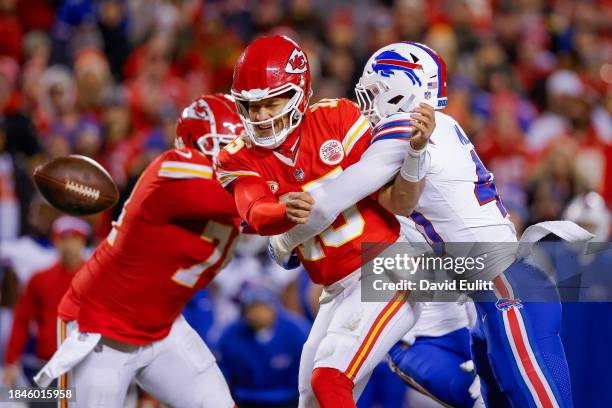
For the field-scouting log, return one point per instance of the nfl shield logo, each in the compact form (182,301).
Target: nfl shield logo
(299,174)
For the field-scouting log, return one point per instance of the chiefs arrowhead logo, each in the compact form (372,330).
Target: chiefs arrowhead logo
(297,62)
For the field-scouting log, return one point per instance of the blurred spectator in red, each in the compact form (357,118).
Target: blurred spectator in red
(38,303)
(11,31)
(37,14)
(156,87)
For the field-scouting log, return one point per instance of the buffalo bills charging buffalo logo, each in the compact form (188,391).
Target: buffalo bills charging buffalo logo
(507,304)
(297,63)
(387,62)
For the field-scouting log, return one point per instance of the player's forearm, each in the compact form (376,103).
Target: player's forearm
(259,207)
(400,197)
(268,218)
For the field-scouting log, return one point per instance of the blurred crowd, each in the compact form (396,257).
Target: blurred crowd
(529,80)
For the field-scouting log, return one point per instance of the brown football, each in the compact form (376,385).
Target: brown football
(76,185)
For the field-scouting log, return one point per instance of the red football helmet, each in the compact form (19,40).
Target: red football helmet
(208,124)
(270,67)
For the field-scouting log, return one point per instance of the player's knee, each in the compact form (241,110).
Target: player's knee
(331,348)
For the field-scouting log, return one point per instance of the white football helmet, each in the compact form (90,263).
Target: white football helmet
(398,77)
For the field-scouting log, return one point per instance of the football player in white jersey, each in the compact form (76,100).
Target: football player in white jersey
(445,188)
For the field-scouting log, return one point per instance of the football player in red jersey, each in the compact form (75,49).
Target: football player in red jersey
(121,318)
(290,149)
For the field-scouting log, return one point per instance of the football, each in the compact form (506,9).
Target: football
(76,185)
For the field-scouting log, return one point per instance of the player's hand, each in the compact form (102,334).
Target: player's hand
(424,123)
(288,260)
(298,207)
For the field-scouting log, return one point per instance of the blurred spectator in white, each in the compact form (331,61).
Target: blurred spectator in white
(32,251)
(564,90)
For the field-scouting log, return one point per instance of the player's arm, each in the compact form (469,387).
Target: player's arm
(256,204)
(402,196)
(263,211)
(376,168)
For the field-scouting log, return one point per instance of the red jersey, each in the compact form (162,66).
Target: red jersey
(175,232)
(332,135)
(38,304)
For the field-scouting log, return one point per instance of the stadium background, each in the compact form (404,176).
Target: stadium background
(530,81)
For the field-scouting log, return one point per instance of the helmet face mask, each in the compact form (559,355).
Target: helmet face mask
(211,143)
(272,67)
(288,118)
(397,78)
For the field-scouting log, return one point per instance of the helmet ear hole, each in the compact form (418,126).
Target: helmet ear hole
(407,105)
(395,100)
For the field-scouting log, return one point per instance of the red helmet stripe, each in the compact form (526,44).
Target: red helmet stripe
(400,63)
(441,68)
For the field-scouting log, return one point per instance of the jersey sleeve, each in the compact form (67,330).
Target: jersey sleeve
(255,203)
(195,197)
(398,127)
(232,165)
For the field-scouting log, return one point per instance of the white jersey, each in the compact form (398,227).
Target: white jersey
(459,202)
(436,318)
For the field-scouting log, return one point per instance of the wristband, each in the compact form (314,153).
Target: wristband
(412,166)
